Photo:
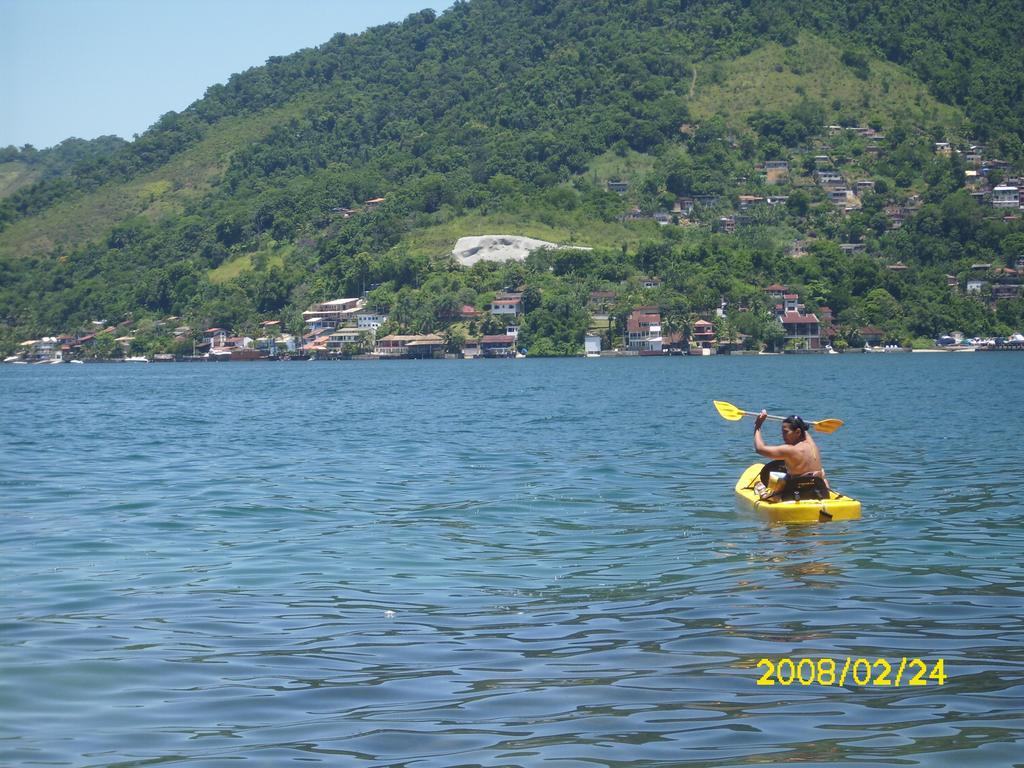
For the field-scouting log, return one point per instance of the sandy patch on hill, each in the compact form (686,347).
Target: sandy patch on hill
(470,250)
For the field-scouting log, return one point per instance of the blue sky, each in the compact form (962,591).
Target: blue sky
(89,68)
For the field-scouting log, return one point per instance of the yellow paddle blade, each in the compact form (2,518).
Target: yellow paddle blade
(728,410)
(827,426)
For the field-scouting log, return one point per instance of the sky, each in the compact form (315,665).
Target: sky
(88,68)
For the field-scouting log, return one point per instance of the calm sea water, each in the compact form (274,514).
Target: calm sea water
(502,563)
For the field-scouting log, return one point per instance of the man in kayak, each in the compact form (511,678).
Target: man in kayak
(799,451)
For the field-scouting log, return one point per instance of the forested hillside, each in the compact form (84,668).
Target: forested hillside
(513,116)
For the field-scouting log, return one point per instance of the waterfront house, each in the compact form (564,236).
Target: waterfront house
(349,336)
(215,337)
(643,331)
(871,335)
(238,342)
(498,345)
(803,330)
(471,349)
(704,334)
(396,346)
(315,343)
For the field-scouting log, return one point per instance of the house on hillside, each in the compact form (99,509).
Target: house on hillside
(1005,196)
(369,319)
(829,179)
(841,197)
(601,301)
(331,314)
(507,304)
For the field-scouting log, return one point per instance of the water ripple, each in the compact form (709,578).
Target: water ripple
(501,565)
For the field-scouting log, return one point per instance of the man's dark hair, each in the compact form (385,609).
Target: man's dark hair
(797,422)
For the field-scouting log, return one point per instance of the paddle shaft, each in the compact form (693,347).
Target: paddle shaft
(732,413)
(769,416)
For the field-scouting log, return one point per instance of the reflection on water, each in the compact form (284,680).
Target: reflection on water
(508,564)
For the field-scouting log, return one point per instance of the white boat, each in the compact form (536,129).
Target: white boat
(77,362)
(138,359)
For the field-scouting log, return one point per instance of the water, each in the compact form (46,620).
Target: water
(502,563)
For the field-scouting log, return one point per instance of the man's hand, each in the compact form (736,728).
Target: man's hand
(760,419)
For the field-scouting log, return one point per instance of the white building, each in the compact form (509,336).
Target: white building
(331,314)
(1006,197)
(370,320)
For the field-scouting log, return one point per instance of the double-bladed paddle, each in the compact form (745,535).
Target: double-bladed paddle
(732,413)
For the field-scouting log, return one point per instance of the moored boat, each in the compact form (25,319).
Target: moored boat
(807,510)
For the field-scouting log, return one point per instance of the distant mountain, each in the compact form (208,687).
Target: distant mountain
(505,112)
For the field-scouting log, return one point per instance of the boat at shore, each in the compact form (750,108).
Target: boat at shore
(835,507)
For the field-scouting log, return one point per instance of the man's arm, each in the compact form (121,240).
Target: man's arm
(768,451)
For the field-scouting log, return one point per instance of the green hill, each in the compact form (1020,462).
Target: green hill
(511,117)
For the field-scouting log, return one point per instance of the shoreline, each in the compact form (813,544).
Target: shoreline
(450,357)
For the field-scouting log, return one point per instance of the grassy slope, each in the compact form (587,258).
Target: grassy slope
(163,192)
(14,176)
(772,78)
(244,263)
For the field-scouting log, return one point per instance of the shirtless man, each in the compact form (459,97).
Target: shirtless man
(800,452)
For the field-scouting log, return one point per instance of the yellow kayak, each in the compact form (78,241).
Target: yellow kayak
(835,507)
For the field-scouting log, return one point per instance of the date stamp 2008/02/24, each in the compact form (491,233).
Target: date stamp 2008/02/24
(852,671)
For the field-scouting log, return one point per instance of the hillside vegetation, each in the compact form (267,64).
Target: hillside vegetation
(511,117)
